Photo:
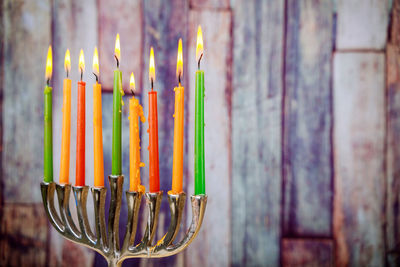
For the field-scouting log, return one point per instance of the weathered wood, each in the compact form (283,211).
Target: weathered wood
(74,27)
(27,34)
(359,119)
(256,131)
(362,24)
(307,252)
(393,151)
(125,18)
(308,120)
(210,4)
(212,245)
(23,235)
(394,37)
(165,22)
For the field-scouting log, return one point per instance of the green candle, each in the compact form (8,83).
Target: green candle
(199,168)
(48,124)
(116,165)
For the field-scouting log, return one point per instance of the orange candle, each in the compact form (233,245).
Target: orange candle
(80,136)
(97,126)
(135,111)
(154,177)
(66,123)
(177,167)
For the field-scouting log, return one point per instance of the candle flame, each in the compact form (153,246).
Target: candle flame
(179,61)
(132,83)
(96,62)
(81,62)
(49,64)
(117,48)
(199,47)
(67,62)
(152,71)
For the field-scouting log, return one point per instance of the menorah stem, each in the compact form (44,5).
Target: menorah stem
(133,200)
(81,193)
(153,203)
(63,193)
(116,182)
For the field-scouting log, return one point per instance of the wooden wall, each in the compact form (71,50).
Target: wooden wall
(302,124)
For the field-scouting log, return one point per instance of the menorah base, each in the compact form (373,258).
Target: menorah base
(106,241)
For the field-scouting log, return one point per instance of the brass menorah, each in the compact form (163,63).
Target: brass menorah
(106,241)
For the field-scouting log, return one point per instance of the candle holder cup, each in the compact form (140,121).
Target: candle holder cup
(106,241)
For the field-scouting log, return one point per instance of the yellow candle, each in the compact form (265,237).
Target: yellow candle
(135,111)
(177,168)
(66,123)
(97,126)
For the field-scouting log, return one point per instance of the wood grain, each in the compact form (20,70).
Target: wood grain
(362,24)
(308,120)
(307,252)
(164,22)
(359,112)
(210,4)
(256,132)
(23,235)
(125,18)
(212,245)
(27,30)
(74,27)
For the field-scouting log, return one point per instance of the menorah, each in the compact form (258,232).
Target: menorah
(106,241)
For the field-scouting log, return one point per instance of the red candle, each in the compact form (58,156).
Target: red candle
(80,136)
(154,179)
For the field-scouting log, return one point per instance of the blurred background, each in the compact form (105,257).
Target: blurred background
(302,114)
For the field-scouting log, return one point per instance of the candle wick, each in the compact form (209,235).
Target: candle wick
(81,74)
(97,77)
(117,61)
(67,73)
(133,92)
(179,79)
(152,84)
(198,63)
(48,82)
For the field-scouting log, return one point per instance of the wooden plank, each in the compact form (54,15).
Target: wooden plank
(126,19)
(26,32)
(256,132)
(210,4)
(75,35)
(212,245)
(392,143)
(23,235)
(359,132)
(393,151)
(165,22)
(307,252)
(307,120)
(362,24)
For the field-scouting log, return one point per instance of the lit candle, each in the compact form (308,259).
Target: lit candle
(80,136)
(116,163)
(199,169)
(97,126)
(154,179)
(177,168)
(135,111)
(66,123)
(48,123)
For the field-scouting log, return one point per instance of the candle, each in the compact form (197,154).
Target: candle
(116,167)
(177,167)
(135,111)
(97,126)
(66,122)
(154,179)
(48,123)
(199,170)
(80,136)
